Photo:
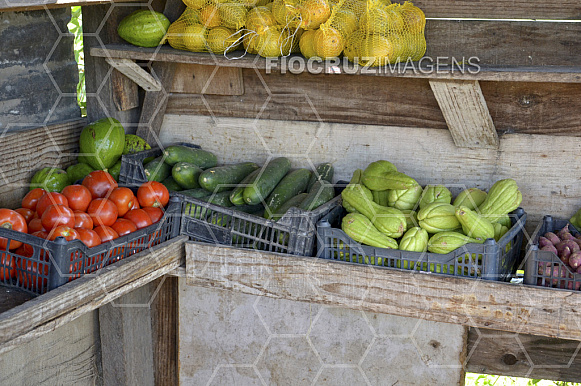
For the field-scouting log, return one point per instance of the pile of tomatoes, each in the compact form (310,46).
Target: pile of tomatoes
(95,212)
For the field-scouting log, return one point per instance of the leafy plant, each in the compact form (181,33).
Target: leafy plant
(473,379)
(76,28)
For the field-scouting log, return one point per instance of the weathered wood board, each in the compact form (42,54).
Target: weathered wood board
(430,156)
(515,107)
(234,338)
(69,355)
(39,72)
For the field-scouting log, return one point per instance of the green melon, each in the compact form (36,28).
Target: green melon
(50,179)
(101,143)
(143,28)
(78,171)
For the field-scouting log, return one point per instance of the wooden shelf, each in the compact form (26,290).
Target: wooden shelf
(47,312)
(559,74)
(475,303)
(29,5)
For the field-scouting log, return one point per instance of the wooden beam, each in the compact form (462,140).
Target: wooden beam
(474,303)
(61,305)
(208,80)
(29,5)
(466,113)
(137,74)
(164,325)
(125,92)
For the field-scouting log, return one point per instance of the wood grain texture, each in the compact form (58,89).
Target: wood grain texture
(64,304)
(27,5)
(38,66)
(466,113)
(522,355)
(164,325)
(429,156)
(70,355)
(515,107)
(474,303)
(52,146)
(155,102)
(126,339)
(12,297)
(201,79)
(134,72)
(125,92)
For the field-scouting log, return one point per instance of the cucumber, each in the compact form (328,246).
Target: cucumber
(220,199)
(266,181)
(196,193)
(202,158)
(186,175)
(320,193)
(323,171)
(220,178)
(251,209)
(171,184)
(236,197)
(294,201)
(292,184)
(157,170)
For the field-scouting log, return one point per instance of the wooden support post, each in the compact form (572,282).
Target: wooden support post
(164,313)
(210,80)
(465,111)
(125,92)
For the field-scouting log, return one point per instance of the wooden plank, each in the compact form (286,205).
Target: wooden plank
(52,146)
(125,92)
(12,297)
(201,79)
(430,156)
(164,325)
(126,339)
(38,67)
(466,113)
(34,318)
(522,355)
(137,74)
(155,102)
(28,5)
(251,339)
(474,303)
(70,355)
(516,107)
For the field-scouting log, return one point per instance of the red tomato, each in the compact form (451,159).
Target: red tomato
(123,198)
(31,199)
(10,219)
(106,233)
(56,215)
(78,196)
(35,225)
(100,183)
(89,237)
(52,198)
(123,226)
(41,234)
(64,231)
(28,214)
(154,213)
(135,204)
(27,275)
(153,193)
(7,266)
(139,217)
(103,212)
(83,220)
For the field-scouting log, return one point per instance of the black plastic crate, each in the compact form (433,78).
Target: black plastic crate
(54,263)
(294,233)
(132,172)
(544,268)
(490,260)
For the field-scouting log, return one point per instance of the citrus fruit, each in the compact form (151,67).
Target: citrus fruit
(258,18)
(194,38)
(374,21)
(375,50)
(222,39)
(232,15)
(413,18)
(328,43)
(175,35)
(306,44)
(351,50)
(286,12)
(194,4)
(210,17)
(344,21)
(273,42)
(191,15)
(314,13)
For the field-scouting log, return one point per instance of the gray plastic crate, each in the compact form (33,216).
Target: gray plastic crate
(54,263)
(132,172)
(490,260)
(294,233)
(544,268)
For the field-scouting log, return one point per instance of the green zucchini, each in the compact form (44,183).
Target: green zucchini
(266,181)
(202,158)
(294,201)
(292,184)
(221,178)
(200,212)
(171,184)
(236,197)
(157,170)
(323,171)
(186,175)
(321,192)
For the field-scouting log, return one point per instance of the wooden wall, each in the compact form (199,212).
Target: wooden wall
(39,74)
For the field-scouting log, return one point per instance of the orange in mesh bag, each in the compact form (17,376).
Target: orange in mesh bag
(328,42)
(187,34)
